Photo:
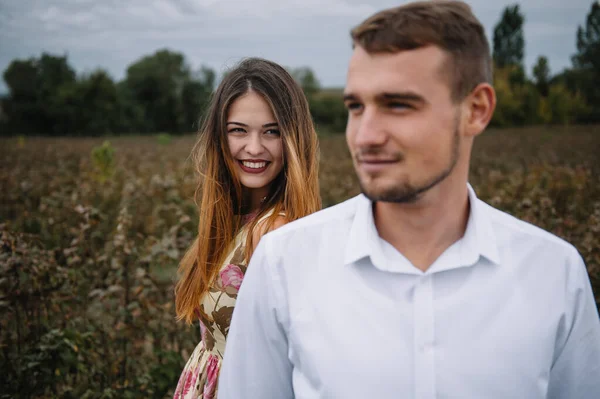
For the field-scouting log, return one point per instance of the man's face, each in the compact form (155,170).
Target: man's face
(403,128)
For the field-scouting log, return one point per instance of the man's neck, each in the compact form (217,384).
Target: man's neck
(423,230)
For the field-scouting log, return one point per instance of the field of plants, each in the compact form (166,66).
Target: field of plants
(91,235)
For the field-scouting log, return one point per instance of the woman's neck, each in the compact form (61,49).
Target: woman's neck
(257,197)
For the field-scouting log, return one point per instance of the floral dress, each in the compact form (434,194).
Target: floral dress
(200,374)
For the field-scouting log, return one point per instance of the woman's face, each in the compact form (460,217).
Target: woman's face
(255,143)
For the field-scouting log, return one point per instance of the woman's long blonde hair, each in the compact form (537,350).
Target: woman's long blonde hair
(221,199)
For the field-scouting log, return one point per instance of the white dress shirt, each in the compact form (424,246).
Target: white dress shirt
(328,309)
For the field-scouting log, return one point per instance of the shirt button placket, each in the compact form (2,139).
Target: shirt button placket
(424,348)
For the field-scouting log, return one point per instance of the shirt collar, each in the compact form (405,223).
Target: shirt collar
(482,236)
(363,239)
(479,239)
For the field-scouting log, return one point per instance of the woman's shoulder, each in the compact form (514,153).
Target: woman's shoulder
(263,226)
(263,223)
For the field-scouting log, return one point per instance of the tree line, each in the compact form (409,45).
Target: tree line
(161,93)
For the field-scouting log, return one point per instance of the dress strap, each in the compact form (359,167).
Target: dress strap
(265,216)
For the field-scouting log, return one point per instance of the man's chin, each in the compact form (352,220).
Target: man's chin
(395,194)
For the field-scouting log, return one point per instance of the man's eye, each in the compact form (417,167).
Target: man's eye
(397,105)
(353,106)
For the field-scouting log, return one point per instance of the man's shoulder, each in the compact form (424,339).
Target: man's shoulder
(527,233)
(323,219)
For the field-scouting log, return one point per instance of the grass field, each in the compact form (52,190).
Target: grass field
(90,246)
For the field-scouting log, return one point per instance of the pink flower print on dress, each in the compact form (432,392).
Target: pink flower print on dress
(212,373)
(232,276)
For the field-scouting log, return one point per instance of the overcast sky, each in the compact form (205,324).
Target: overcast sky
(112,34)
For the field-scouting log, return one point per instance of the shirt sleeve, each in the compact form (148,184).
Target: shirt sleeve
(256,363)
(576,369)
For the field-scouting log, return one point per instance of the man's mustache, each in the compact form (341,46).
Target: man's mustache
(374,154)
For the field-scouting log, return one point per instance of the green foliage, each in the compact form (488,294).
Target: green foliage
(509,42)
(326,106)
(164,139)
(171,96)
(588,41)
(570,97)
(33,84)
(564,106)
(526,104)
(159,93)
(155,83)
(195,97)
(511,98)
(90,106)
(541,74)
(586,72)
(103,158)
(328,112)
(307,79)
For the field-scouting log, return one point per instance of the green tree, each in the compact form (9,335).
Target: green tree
(588,41)
(21,77)
(508,106)
(565,107)
(22,106)
(167,92)
(586,62)
(509,42)
(541,74)
(156,82)
(159,94)
(90,106)
(54,72)
(33,85)
(307,79)
(579,84)
(328,111)
(194,97)
(132,113)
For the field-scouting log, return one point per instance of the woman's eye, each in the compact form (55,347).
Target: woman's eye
(237,130)
(273,132)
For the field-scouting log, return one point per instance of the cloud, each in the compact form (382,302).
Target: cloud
(114,33)
(275,8)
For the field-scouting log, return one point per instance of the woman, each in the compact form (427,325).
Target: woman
(257,156)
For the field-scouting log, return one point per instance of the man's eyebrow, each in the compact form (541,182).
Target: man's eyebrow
(402,96)
(387,96)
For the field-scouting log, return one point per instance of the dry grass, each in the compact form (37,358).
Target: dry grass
(92,262)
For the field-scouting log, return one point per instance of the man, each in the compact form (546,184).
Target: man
(414,289)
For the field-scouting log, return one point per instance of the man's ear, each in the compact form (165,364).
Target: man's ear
(479,108)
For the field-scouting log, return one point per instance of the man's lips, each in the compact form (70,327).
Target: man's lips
(371,164)
(377,160)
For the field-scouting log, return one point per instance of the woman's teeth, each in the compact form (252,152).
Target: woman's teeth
(254,165)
